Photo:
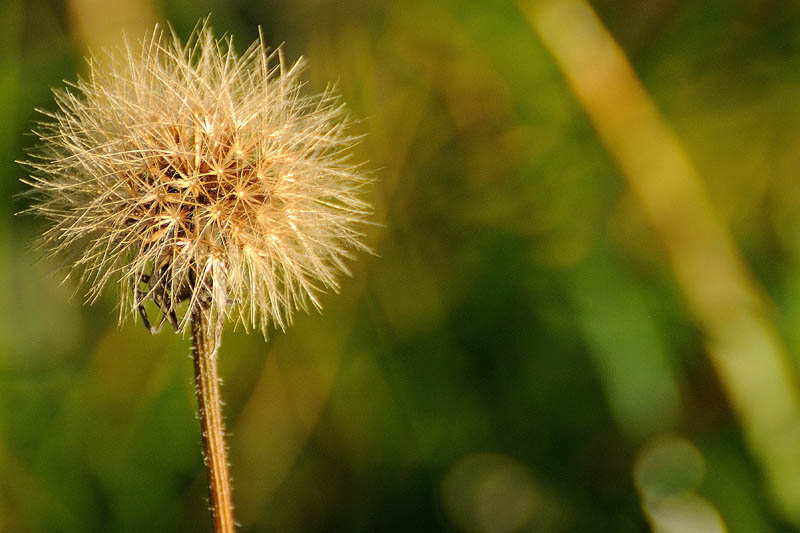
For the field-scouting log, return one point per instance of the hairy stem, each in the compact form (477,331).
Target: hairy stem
(204,353)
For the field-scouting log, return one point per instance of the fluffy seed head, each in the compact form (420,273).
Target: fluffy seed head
(201,180)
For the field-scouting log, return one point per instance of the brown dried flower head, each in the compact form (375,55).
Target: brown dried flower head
(201,180)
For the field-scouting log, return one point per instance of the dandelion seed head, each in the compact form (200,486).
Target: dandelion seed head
(201,180)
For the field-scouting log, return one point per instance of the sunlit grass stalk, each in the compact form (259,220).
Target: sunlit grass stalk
(726,302)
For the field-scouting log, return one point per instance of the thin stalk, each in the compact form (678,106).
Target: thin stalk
(209,401)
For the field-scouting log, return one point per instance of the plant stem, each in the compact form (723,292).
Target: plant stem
(204,353)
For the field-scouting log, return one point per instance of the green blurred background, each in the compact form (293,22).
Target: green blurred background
(518,355)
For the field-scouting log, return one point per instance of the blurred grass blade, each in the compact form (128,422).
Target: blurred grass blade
(627,348)
(725,301)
